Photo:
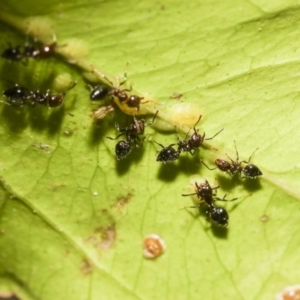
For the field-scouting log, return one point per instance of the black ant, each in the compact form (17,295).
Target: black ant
(132,133)
(207,194)
(16,95)
(167,154)
(19,53)
(51,100)
(12,53)
(44,51)
(192,143)
(99,92)
(250,170)
(122,95)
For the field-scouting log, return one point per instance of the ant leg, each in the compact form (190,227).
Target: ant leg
(120,134)
(184,195)
(151,122)
(225,200)
(214,135)
(247,162)
(162,145)
(207,165)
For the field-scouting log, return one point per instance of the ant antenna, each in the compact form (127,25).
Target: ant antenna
(214,135)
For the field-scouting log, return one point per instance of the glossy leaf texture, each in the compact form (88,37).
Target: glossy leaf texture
(73,217)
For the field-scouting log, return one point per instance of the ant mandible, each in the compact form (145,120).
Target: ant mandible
(192,143)
(250,170)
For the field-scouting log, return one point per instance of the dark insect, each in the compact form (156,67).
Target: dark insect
(167,154)
(16,95)
(99,92)
(123,148)
(207,194)
(132,133)
(192,143)
(235,167)
(41,52)
(12,53)
(122,95)
(48,99)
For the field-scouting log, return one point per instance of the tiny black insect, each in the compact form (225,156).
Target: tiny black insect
(235,167)
(132,133)
(40,52)
(133,101)
(16,95)
(207,194)
(12,53)
(167,154)
(48,99)
(99,92)
(192,143)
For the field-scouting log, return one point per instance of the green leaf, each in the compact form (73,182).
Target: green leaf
(73,218)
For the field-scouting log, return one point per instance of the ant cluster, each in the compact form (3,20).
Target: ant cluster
(134,132)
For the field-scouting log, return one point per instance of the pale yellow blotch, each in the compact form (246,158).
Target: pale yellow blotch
(40,28)
(181,115)
(62,82)
(73,49)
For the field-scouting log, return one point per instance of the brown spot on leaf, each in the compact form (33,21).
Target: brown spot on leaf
(264,218)
(121,203)
(108,236)
(176,96)
(86,267)
(290,293)
(153,246)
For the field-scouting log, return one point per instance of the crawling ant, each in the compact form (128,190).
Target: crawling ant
(19,53)
(133,101)
(99,92)
(192,143)
(167,154)
(207,194)
(132,133)
(12,53)
(48,99)
(232,167)
(44,51)
(16,95)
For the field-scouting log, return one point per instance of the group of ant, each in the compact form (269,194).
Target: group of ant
(18,96)
(191,143)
